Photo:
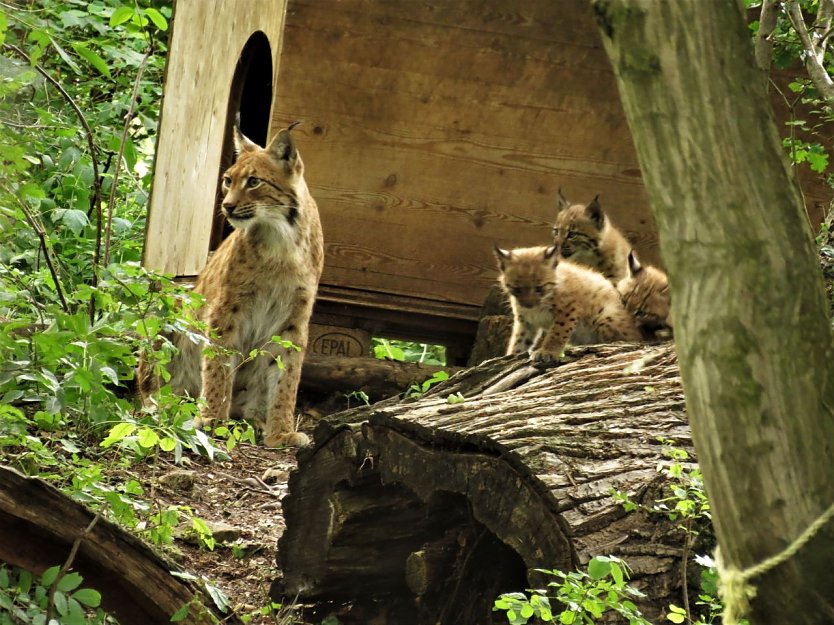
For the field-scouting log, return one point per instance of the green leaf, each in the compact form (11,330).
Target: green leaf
(3,27)
(617,574)
(157,18)
(147,438)
(220,599)
(817,161)
(74,219)
(599,568)
(118,432)
(70,581)
(87,596)
(24,582)
(675,617)
(130,154)
(180,614)
(49,576)
(167,444)
(65,56)
(75,613)
(111,375)
(121,15)
(60,601)
(92,58)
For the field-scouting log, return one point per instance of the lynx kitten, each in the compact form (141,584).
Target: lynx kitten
(645,294)
(555,300)
(585,235)
(260,283)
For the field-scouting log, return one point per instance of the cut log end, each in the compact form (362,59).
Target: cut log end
(433,509)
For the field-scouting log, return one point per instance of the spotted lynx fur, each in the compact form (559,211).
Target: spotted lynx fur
(555,300)
(645,294)
(261,282)
(585,235)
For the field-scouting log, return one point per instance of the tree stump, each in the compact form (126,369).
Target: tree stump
(423,511)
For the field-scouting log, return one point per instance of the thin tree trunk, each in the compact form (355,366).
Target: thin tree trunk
(751,325)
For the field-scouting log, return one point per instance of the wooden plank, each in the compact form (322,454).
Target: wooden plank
(434,130)
(433,145)
(193,123)
(338,341)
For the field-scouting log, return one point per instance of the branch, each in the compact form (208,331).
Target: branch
(128,118)
(763,43)
(93,156)
(41,232)
(813,54)
(822,25)
(50,605)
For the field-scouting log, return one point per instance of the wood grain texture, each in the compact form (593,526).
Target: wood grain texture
(207,39)
(38,525)
(534,459)
(377,378)
(434,130)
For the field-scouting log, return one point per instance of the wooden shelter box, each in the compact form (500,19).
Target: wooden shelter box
(431,132)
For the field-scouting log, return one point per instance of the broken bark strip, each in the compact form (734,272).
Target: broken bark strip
(38,526)
(377,378)
(517,477)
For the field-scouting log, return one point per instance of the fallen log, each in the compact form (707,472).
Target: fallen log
(38,526)
(425,510)
(378,378)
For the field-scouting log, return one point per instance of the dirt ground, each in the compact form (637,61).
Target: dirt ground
(238,494)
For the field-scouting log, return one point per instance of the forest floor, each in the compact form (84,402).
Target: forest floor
(240,499)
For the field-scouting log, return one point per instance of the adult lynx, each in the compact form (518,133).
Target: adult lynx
(260,283)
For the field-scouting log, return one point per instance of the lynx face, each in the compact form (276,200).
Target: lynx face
(578,231)
(645,294)
(262,187)
(554,300)
(585,235)
(528,277)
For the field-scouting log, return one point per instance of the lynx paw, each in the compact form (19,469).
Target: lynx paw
(544,357)
(287,439)
(201,422)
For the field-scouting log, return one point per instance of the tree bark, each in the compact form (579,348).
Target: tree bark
(433,508)
(378,378)
(751,325)
(38,525)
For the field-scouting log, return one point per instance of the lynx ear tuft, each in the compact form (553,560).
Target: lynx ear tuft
(282,148)
(242,143)
(551,255)
(562,202)
(634,266)
(594,211)
(503,256)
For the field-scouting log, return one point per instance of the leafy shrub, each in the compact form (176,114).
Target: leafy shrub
(579,596)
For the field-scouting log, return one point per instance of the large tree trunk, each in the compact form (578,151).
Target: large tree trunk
(430,509)
(751,327)
(38,526)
